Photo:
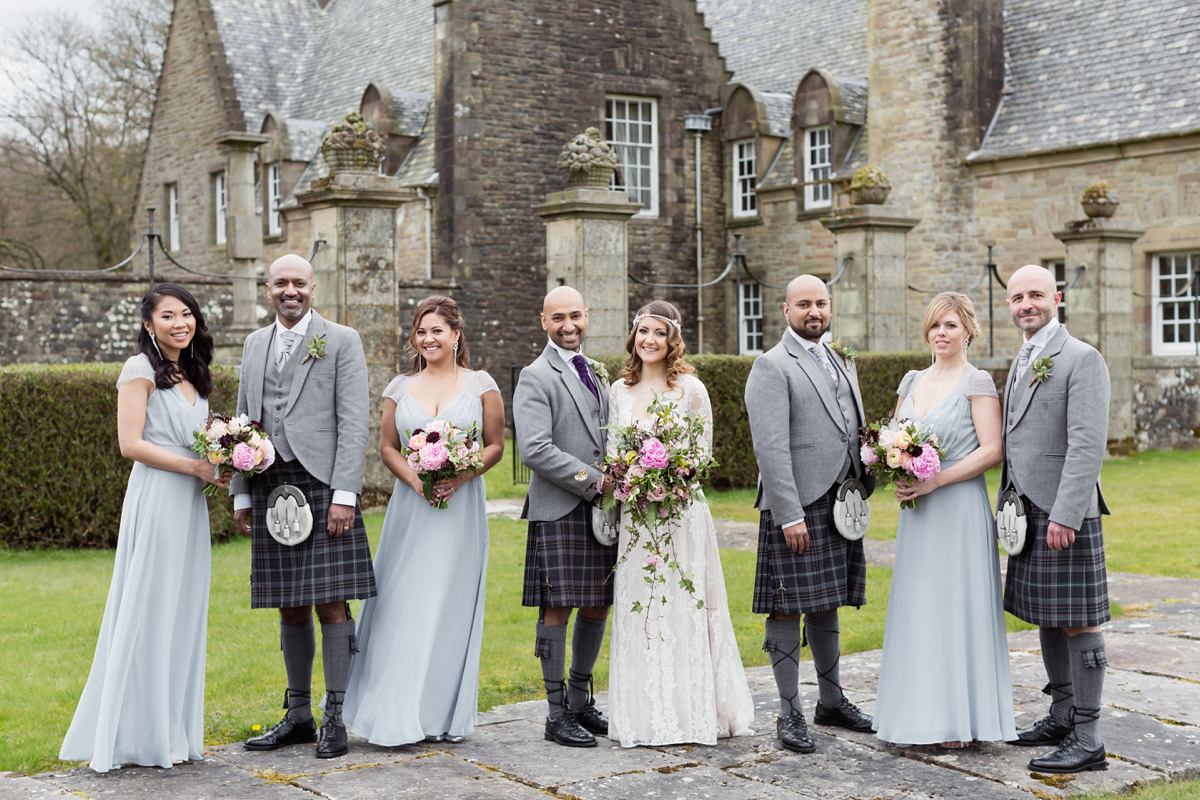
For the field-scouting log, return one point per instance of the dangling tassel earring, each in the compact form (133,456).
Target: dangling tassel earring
(932,357)
(192,349)
(456,356)
(154,341)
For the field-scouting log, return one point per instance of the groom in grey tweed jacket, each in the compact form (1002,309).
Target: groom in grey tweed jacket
(1055,436)
(559,409)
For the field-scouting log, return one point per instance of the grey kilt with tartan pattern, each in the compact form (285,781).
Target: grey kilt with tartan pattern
(320,569)
(1058,588)
(565,567)
(831,573)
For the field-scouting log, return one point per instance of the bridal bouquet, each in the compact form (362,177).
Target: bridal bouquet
(901,450)
(441,450)
(233,441)
(656,471)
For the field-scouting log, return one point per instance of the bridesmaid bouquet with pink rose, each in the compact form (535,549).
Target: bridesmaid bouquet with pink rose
(894,450)
(441,450)
(656,471)
(236,442)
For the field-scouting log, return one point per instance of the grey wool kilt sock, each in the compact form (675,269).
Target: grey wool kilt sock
(337,647)
(552,650)
(782,643)
(1088,660)
(299,645)
(586,641)
(824,641)
(1056,657)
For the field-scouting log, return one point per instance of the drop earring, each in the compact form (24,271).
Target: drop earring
(456,356)
(966,344)
(154,341)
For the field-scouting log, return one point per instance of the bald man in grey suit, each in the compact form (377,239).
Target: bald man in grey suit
(1055,436)
(805,410)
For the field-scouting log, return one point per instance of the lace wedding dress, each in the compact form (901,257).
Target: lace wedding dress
(675,673)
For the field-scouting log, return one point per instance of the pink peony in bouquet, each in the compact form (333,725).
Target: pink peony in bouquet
(441,450)
(656,471)
(233,441)
(901,450)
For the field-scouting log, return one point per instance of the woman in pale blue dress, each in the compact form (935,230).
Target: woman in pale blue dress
(144,699)
(416,675)
(945,674)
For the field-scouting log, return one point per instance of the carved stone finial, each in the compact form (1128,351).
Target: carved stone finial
(588,160)
(352,146)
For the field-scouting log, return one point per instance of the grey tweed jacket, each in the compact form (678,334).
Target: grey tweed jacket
(1055,439)
(800,438)
(559,435)
(328,408)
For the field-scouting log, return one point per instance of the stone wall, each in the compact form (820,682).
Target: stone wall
(53,319)
(518,81)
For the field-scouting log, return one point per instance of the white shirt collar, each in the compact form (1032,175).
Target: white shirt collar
(810,346)
(564,353)
(1042,338)
(300,327)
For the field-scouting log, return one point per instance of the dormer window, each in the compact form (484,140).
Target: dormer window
(745,178)
(818,163)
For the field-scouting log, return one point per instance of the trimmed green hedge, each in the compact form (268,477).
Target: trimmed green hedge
(879,375)
(63,473)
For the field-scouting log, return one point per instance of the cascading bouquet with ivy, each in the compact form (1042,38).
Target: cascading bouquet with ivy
(894,450)
(657,469)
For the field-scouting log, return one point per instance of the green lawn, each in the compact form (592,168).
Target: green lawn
(52,603)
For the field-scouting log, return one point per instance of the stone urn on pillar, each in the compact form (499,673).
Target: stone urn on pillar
(1099,200)
(352,146)
(588,160)
(869,186)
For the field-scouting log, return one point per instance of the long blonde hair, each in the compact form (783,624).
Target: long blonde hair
(676,348)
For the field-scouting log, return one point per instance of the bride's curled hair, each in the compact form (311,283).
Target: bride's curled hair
(676,349)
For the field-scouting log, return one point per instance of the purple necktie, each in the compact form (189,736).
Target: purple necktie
(581,367)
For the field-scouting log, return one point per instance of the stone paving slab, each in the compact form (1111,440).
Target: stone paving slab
(1150,723)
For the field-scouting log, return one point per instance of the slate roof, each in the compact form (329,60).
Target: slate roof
(1088,72)
(779,113)
(771,44)
(313,63)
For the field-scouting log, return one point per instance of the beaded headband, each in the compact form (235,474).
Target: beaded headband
(640,317)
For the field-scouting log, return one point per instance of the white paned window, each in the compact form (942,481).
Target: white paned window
(1175,301)
(818,161)
(1060,282)
(274,220)
(173,217)
(219,206)
(632,128)
(745,178)
(750,319)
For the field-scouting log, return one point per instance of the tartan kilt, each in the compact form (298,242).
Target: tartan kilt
(320,569)
(565,567)
(1063,588)
(832,572)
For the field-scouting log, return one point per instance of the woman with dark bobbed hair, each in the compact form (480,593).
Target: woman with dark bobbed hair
(144,699)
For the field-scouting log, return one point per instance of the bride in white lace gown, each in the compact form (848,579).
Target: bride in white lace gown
(675,674)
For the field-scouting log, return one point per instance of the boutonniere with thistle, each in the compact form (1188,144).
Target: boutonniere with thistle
(1041,370)
(315,347)
(599,368)
(848,353)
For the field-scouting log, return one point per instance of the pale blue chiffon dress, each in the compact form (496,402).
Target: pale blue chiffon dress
(416,673)
(945,673)
(144,699)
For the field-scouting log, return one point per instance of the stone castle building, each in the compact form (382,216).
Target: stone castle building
(739,124)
